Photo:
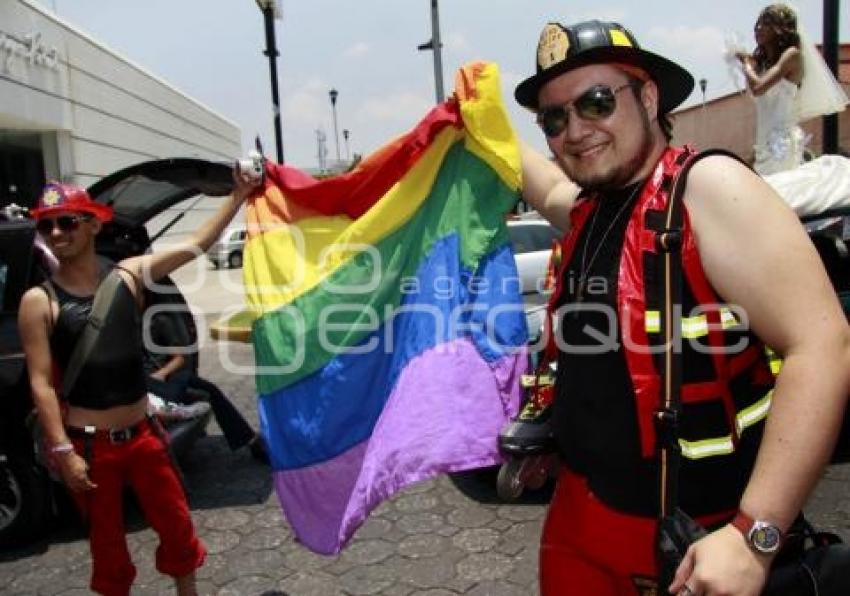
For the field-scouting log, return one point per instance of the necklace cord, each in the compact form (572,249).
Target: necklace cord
(585,266)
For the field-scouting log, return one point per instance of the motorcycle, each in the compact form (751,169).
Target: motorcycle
(527,442)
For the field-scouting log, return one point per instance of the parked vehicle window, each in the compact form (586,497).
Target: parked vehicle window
(532,238)
(542,236)
(520,238)
(15,263)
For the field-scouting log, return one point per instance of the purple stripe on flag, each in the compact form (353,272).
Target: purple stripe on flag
(422,432)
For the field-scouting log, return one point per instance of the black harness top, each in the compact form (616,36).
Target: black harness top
(113,375)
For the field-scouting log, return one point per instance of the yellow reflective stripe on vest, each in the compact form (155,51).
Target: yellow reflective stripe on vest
(754,414)
(775,361)
(728,319)
(692,327)
(723,445)
(652,320)
(707,447)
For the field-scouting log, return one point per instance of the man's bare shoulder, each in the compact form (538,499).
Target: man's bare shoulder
(710,169)
(722,182)
(35,300)
(34,309)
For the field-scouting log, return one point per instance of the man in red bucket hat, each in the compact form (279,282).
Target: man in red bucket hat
(103,439)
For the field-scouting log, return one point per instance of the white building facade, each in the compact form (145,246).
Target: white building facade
(71,109)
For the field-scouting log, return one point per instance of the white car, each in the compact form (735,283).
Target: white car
(532,243)
(227,251)
(532,238)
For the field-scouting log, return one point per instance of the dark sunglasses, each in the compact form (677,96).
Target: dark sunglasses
(66,223)
(598,102)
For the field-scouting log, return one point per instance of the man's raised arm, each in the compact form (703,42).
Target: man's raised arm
(547,188)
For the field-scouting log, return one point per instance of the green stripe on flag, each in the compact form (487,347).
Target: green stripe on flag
(467,198)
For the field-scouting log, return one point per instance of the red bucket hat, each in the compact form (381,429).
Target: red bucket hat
(68,197)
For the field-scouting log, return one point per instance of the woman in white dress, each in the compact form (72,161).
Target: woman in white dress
(791,83)
(774,73)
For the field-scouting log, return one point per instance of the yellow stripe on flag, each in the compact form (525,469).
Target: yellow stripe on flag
(285,263)
(490,135)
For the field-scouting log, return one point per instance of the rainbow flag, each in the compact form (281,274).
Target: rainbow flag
(389,333)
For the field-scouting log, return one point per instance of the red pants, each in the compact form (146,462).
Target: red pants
(589,549)
(144,464)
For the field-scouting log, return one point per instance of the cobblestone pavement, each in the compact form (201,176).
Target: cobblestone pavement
(442,537)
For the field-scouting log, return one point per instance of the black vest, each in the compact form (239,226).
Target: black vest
(600,421)
(113,375)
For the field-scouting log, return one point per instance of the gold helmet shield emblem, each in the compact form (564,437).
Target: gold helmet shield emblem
(552,47)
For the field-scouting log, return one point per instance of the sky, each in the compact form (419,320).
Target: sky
(367,50)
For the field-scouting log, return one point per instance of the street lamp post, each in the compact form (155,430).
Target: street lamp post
(830,56)
(271,10)
(436,46)
(321,150)
(703,83)
(345,136)
(334,94)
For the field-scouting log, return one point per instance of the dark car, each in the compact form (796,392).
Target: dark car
(27,497)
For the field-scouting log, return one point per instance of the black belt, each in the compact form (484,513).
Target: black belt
(113,435)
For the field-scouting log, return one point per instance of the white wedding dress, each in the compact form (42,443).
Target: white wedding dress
(812,187)
(779,141)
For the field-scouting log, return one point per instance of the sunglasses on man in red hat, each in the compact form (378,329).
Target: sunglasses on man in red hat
(65,223)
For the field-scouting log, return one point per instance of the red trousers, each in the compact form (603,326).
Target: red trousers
(589,549)
(144,464)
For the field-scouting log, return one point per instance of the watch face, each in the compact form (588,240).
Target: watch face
(765,538)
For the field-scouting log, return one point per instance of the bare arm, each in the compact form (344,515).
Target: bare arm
(547,188)
(757,255)
(174,364)
(789,66)
(154,266)
(33,318)
(33,324)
